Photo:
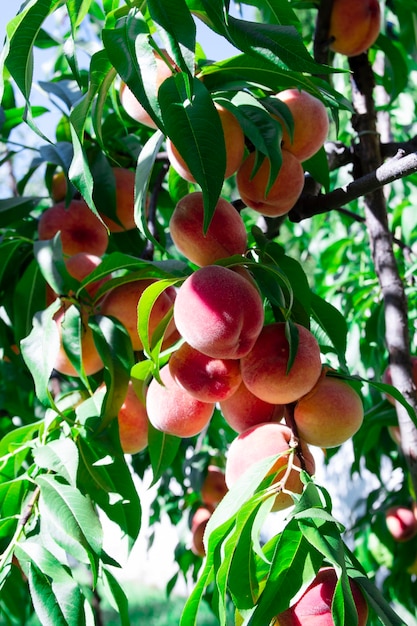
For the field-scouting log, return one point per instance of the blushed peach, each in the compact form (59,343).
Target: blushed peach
(225,236)
(264,369)
(218,312)
(401,522)
(234,140)
(124,180)
(243,409)
(329,414)
(214,486)
(354,26)
(198,526)
(285,190)
(133,419)
(261,441)
(81,230)
(174,411)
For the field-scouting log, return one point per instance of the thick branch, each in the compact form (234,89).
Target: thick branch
(395,302)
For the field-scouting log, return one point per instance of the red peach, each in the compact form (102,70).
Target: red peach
(243,409)
(133,419)
(214,486)
(198,526)
(124,180)
(354,26)
(401,522)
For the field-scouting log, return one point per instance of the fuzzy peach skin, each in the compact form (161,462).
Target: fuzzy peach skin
(264,369)
(259,442)
(218,312)
(131,104)
(90,357)
(124,180)
(314,608)
(284,192)
(81,230)
(205,378)
(174,411)
(122,304)
(214,486)
(226,234)
(198,526)
(311,123)
(354,26)
(234,140)
(133,419)
(243,409)
(401,522)
(330,414)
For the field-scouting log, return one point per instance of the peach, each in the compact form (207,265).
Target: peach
(314,608)
(122,303)
(285,190)
(354,26)
(218,312)
(243,409)
(234,140)
(81,230)
(401,522)
(214,486)
(59,187)
(259,442)
(174,411)
(226,234)
(198,526)
(133,419)
(329,414)
(205,378)
(91,359)
(264,369)
(124,180)
(79,266)
(132,106)
(311,123)
(387,378)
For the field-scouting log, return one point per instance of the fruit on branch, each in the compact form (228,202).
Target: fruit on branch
(226,234)
(122,303)
(401,522)
(174,411)
(80,266)
(59,187)
(354,26)
(199,522)
(264,369)
(202,376)
(330,414)
(218,312)
(264,440)
(133,419)
(314,608)
(91,360)
(387,377)
(285,190)
(132,106)
(124,180)
(214,486)
(81,230)
(234,140)
(311,123)
(243,409)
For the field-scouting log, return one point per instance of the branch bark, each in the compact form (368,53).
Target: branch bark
(392,288)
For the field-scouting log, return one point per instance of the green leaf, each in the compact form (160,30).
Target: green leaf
(333,323)
(50,258)
(117,597)
(194,127)
(59,456)
(163,449)
(13,209)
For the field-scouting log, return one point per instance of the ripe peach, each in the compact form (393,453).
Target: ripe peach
(225,236)
(243,409)
(314,608)
(329,414)
(284,192)
(234,140)
(387,378)
(173,410)
(79,266)
(133,420)
(260,442)
(205,378)
(124,180)
(311,123)
(354,26)
(264,369)
(131,104)
(214,487)
(198,526)
(122,304)
(401,522)
(90,357)
(218,312)
(81,230)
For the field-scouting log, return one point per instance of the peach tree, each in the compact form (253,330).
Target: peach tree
(190,299)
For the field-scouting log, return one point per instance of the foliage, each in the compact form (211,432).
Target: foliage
(63,471)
